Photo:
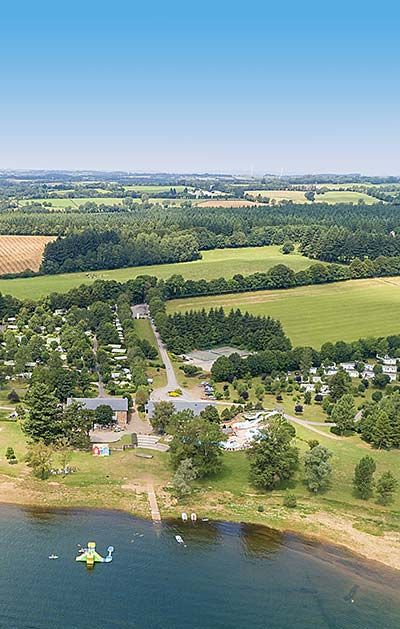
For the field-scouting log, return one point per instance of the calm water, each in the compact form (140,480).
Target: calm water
(228,576)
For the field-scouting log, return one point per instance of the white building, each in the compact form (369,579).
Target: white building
(368,375)
(353,373)
(387,360)
(348,366)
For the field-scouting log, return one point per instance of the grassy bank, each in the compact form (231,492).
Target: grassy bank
(121,482)
(312,315)
(213,264)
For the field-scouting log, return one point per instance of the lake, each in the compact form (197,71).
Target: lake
(228,575)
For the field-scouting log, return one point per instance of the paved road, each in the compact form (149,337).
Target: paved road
(102,392)
(172,384)
(140,309)
(312,426)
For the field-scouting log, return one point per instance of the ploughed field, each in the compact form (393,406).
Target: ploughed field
(19,253)
(312,315)
(213,264)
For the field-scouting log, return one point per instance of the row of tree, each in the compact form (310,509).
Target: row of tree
(281,276)
(228,368)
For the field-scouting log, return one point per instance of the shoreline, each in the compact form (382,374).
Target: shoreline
(374,553)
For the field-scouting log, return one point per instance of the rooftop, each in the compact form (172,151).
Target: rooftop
(115,403)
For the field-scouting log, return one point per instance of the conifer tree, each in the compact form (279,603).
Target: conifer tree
(382,431)
(385,487)
(343,415)
(364,477)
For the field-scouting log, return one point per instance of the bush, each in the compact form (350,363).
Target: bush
(10,456)
(290,501)
(190,370)
(13,397)
(260,508)
(298,408)
(377,396)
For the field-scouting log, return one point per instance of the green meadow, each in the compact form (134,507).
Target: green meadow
(153,189)
(213,264)
(312,315)
(297,196)
(345,196)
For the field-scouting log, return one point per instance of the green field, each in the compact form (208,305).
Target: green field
(215,263)
(342,196)
(151,189)
(312,315)
(297,196)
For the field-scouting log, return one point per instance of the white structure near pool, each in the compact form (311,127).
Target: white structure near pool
(246,430)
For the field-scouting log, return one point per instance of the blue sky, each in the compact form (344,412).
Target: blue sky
(206,86)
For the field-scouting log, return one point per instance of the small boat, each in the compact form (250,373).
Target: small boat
(193,517)
(179,539)
(184,517)
(53,556)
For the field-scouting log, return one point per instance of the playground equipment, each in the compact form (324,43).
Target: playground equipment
(91,556)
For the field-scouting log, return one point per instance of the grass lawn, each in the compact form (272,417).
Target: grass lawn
(231,495)
(98,482)
(144,331)
(312,315)
(213,264)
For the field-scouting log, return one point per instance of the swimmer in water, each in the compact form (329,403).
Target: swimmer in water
(351,595)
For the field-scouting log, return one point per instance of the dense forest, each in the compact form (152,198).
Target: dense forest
(334,233)
(90,250)
(144,229)
(183,332)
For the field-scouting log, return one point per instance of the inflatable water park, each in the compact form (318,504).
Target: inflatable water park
(90,555)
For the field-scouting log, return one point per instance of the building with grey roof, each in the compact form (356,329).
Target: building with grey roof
(119,406)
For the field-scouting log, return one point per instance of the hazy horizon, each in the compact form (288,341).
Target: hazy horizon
(221,88)
(216,173)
